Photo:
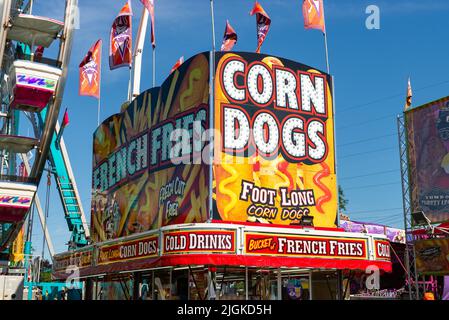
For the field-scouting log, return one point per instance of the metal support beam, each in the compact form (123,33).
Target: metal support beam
(53,110)
(5,10)
(40,212)
(410,262)
(140,42)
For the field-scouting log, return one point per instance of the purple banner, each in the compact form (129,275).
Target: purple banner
(393,234)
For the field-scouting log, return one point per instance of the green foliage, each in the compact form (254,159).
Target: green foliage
(342,200)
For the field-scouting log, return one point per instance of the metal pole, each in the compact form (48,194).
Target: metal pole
(335,143)
(404,204)
(211,109)
(310,285)
(154,67)
(279,284)
(246,284)
(53,110)
(327,53)
(99,90)
(98,112)
(4,21)
(213,23)
(140,42)
(325,43)
(47,206)
(130,95)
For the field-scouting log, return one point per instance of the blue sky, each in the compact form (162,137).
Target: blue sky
(370,68)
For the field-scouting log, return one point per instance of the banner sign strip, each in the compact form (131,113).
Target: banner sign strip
(305,246)
(199,241)
(80,259)
(130,250)
(382,250)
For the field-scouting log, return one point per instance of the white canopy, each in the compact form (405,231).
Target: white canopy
(35,30)
(17,144)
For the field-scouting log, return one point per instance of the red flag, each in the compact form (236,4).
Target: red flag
(120,49)
(229,38)
(149,4)
(65,120)
(90,72)
(313,11)
(177,65)
(263,24)
(38,54)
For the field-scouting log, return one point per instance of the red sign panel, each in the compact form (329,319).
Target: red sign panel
(299,246)
(131,250)
(222,241)
(79,260)
(382,250)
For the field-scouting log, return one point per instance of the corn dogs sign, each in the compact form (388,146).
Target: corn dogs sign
(274,154)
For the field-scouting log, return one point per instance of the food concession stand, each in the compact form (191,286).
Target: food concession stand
(221,184)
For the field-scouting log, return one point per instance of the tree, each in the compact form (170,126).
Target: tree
(45,271)
(342,200)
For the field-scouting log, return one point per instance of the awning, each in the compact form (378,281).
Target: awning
(230,245)
(227,260)
(35,30)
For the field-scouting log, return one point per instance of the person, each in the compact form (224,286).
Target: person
(144,290)
(38,54)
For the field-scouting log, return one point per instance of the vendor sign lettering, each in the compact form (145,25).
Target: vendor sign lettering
(305,246)
(15,201)
(274,145)
(79,259)
(23,79)
(130,250)
(199,241)
(382,250)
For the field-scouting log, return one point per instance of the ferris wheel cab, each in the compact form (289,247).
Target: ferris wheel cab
(32,78)
(32,85)
(15,200)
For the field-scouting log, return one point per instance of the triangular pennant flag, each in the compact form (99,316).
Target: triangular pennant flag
(65,119)
(120,49)
(263,24)
(149,4)
(90,72)
(408,100)
(313,11)
(177,64)
(229,38)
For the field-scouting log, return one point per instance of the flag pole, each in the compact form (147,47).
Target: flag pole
(213,24)
(327,52)
(99,88)
(130,83)
(98,115)
(325,42)
(154,66)
(211,108)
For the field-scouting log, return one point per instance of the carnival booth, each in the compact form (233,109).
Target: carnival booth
(221,184)
(392,285)
(426,158)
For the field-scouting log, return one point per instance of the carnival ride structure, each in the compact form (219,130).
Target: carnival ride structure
(33,86)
